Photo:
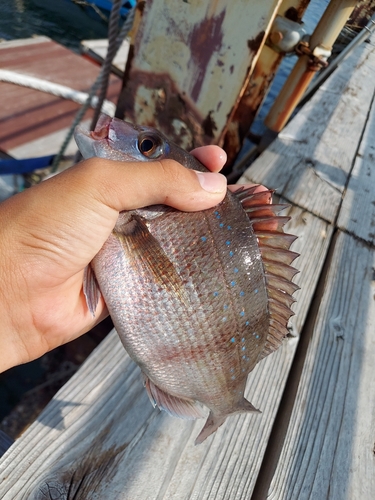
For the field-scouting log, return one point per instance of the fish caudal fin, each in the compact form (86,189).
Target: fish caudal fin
(175,406)
(276,257)
(213,421)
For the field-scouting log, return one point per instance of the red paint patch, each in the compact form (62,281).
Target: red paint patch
(205,39)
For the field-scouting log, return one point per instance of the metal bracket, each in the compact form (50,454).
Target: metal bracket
(285,34)
(318,57)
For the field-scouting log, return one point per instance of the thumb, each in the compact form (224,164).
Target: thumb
(131,185)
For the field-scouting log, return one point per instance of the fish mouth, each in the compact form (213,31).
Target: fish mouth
(111,128)
(102,128)
(108,135)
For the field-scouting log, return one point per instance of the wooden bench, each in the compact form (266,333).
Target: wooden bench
(100,438)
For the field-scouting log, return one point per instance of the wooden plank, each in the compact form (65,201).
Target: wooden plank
(99,48)
(357,214)
(316,151)
(100,436)
(27,115)
(329,447)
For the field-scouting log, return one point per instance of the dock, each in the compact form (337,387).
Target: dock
(100,438)
(35,123)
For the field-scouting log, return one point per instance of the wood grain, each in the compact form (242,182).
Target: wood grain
(357,214)
(329,447)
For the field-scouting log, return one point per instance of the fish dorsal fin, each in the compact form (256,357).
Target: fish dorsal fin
(175,406)
(276,257)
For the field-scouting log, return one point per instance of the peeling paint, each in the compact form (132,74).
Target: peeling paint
(206,39)
(166,107)
(191,65)
(256,42)
(209,125)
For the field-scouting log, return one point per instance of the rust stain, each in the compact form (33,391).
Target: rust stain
(293,100)
(249,104)
(296,13)
(171,104)
(361,14)
(256,42)
(209,125)
(204,40)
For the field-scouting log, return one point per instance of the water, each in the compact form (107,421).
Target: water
(62,20)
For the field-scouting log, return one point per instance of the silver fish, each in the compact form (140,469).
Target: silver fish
(198,299)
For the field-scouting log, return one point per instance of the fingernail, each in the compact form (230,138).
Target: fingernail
(211,182)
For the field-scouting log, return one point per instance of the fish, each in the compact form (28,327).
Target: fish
(198,298)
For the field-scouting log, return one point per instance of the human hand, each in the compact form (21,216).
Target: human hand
(51,232)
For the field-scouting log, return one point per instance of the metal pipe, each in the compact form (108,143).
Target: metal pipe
(321,41)
(360,38)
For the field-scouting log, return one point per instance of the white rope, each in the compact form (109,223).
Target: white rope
(55,89)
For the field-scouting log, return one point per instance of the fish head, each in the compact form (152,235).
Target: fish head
(120,140)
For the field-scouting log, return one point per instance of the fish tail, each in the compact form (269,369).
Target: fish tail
(214,421)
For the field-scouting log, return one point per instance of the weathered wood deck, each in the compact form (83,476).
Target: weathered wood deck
(34,123)
(100,438)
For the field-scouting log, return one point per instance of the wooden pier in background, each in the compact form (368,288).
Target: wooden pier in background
(34,123)
(100,438)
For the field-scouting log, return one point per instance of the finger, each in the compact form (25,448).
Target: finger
(212,157)
(130,185)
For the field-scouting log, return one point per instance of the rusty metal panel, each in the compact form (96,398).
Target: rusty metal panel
(192,62)
(260,81)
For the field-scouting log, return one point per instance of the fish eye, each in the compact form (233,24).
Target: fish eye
(151,147)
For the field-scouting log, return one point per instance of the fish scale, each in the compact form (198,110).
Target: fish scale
(196,298)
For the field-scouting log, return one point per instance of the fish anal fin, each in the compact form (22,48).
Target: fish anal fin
(214,421)
(145,253)
(91,289)
(174,405)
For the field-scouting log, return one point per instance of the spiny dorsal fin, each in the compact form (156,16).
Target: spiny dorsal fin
(274,247)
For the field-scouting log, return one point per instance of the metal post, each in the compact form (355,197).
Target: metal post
(311,60)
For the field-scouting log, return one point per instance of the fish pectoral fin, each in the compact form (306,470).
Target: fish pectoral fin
(214,421)
(146,254)
(175,406)
(91,289)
